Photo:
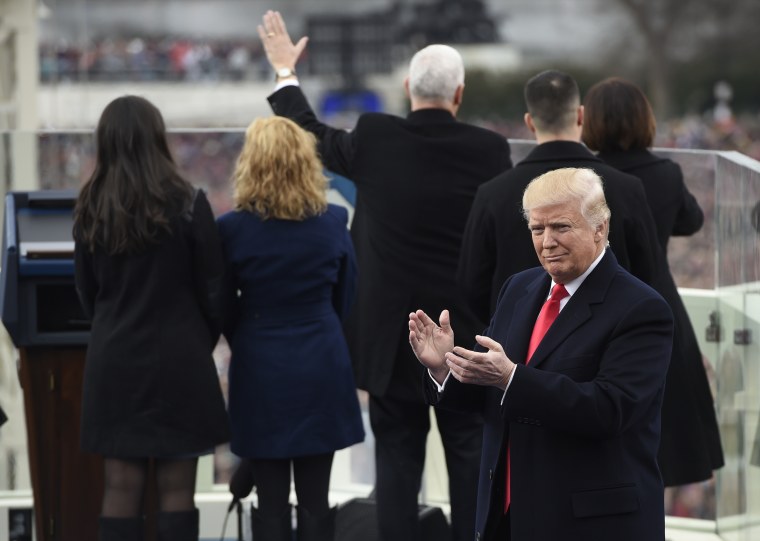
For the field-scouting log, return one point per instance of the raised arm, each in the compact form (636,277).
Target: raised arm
(335,146)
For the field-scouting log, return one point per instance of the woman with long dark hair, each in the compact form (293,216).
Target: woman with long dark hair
(149,272)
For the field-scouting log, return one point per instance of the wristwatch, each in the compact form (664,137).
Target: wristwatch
(284,73)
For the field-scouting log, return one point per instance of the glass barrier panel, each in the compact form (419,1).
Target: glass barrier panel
(738,268)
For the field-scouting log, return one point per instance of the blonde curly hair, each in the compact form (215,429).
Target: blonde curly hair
(279,173)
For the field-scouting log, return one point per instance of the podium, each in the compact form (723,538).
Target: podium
(41,311)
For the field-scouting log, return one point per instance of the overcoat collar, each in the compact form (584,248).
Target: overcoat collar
(593,290)
(630,160)
(564,151)
(430,116)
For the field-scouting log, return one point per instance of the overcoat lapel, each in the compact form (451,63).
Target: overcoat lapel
(524,318)
(578,309)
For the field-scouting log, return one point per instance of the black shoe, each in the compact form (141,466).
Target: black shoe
(178,526)
(269,528)
(316,527)
(121,529)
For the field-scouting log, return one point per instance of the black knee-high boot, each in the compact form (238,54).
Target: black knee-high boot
(316,527)
(178,526)
(269,528)
(121,529)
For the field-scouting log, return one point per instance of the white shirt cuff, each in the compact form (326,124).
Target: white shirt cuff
(440,386)
(509,382)
(284,83)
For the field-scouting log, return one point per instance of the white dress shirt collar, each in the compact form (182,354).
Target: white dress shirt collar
(573,285)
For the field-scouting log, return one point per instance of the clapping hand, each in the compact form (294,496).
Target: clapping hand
(491,367)
(430,342)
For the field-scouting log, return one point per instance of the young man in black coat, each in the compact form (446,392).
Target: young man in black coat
(416,178)
(496,243)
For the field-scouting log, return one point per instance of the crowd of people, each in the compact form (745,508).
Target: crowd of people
(153,59)
(188,59)
(529,302)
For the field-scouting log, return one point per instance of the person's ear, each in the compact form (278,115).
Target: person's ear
(529,122)
(581,113)
(601,230)
(458,94)
(406,87)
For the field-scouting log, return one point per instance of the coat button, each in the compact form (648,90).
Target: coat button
(477,536)
(490,475)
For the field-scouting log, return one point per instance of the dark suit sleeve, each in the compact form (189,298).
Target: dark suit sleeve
(632,367)
(84,279)
(505,157)
(456,396)
(477,257)
(343,293)
(690,217)
(336,147)
(208,264)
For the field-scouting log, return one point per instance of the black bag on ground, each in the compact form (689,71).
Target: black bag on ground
(357,521)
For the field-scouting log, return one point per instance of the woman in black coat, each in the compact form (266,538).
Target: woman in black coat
(292,272)
(149,271)
(620,125)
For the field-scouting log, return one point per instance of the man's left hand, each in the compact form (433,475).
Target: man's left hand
(491,367)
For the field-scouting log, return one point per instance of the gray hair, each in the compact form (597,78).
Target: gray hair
(565,185)
(435,72)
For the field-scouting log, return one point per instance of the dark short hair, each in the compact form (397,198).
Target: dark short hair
(617,116)
(552,98)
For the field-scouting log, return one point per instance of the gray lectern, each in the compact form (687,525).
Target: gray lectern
(40,309)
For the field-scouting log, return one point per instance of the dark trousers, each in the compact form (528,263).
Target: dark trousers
(400,428)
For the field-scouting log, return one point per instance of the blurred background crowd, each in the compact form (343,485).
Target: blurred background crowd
(691,58)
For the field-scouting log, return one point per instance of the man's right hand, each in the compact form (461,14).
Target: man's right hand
(431,342)
(279,48)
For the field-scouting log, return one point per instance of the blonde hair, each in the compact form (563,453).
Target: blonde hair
(278,173)
(565,185)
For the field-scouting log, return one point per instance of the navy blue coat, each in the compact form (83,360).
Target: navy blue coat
(583,419)
(291,386)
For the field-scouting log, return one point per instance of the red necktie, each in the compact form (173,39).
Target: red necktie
(547,315)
